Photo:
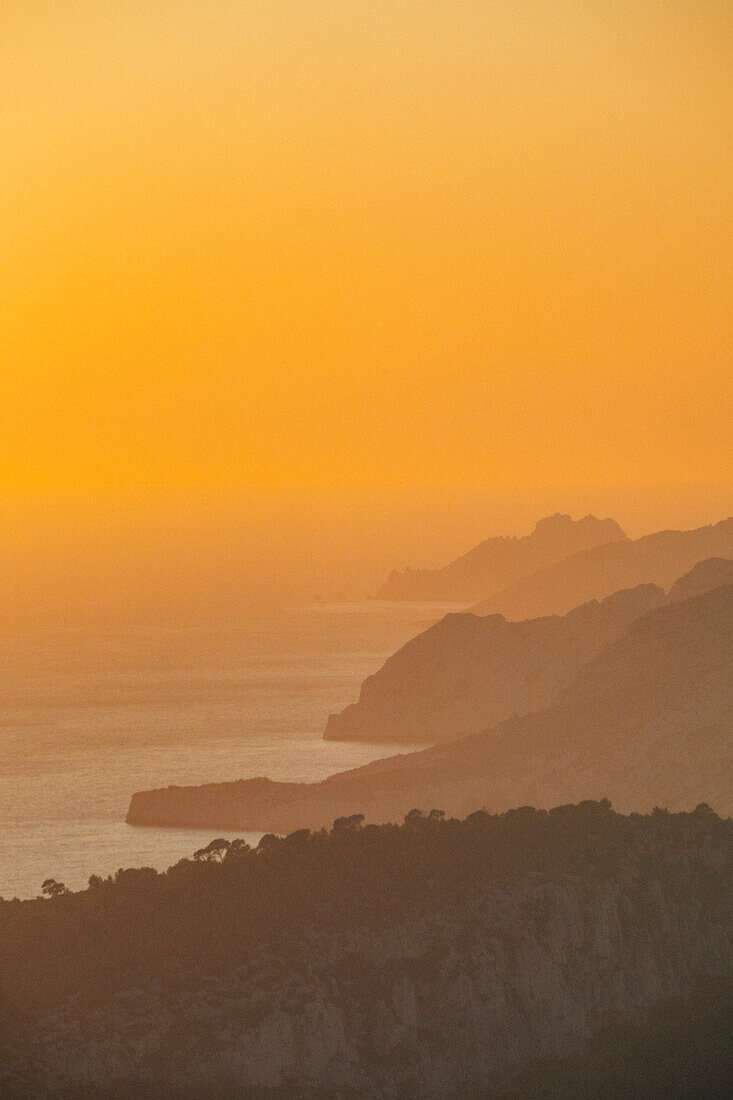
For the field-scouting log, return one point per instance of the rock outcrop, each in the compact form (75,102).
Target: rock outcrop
(468,673)
(648,722)
(498,562)
(599,571)
(490,944)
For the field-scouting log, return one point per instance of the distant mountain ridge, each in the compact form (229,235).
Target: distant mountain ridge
(703,577)
(648,722)
(467,673)
(597,572)
(498,562)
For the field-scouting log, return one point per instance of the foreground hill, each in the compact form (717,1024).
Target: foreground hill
(468,673)
(439,958)
(648,722)
(596,573)
(681,1049)
(498,562)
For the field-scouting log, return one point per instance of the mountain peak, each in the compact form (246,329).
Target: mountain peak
(610,564)
(497,562)
(560,523)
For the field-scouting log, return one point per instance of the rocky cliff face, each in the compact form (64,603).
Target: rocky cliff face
(448,1002)
(648,722)
(469,673)
(500,561)
(595,573)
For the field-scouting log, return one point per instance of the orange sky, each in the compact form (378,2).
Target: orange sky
(348,244)
(295,292)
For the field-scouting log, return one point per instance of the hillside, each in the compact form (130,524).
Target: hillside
(597,572)
(498,562)
(648,722)
(469,673)
(438,958)
(706,575)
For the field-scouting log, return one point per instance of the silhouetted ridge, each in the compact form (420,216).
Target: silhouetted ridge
(649,721)
(703,577)
(594,573)
(497,562)
(672,661)
(467,673)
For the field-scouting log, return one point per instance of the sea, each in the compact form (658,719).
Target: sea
(88,716)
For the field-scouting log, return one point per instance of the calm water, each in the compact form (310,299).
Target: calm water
(88,718)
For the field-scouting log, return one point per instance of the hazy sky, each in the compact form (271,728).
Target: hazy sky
(352,247)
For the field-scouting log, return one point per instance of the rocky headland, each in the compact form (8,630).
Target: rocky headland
(468,673)
(498,562)
(648,722)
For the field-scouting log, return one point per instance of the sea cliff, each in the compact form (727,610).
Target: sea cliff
(648,722)
(468,673)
